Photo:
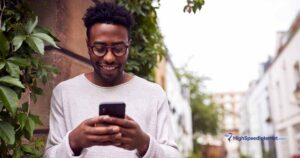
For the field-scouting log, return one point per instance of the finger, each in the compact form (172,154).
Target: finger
(121,122)
(127,132)
(105,143)
(102,130)
(118,138)
(129,118)
(95,120)
(99,139)
(126,143)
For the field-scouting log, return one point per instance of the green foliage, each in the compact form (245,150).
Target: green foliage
(204,111)
(197,150)
(21,69)
(147,40)
(245,156)
(193,6)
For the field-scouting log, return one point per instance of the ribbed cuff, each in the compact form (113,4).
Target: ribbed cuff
(69,151)
(150,153)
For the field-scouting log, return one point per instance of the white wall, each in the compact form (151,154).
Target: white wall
(244,128)
(254,122)
(230,121)
(182,112)
(286,112)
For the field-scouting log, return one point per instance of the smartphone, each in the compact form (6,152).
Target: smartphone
(114,109)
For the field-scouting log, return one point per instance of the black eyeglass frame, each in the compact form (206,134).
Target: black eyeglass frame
(126,46)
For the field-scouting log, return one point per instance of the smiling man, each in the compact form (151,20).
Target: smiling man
(75,128)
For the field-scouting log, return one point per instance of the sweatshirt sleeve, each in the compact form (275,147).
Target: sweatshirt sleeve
(58,138)
(163,145)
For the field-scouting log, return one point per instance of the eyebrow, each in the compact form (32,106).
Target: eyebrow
(114,43)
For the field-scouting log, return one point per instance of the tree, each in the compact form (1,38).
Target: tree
(21,70)
(204,111)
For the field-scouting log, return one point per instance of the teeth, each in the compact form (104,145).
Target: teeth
(109,67)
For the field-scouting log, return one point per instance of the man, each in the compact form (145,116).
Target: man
(75,128)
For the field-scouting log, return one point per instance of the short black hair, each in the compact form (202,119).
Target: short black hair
(110,13)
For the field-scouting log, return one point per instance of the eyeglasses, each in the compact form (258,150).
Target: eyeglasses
(118,50)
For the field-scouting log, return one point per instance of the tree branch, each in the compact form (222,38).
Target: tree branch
(2,10)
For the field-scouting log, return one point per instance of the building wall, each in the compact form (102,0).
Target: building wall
(64,20)
(229,103)
(271,99)
(244,124)
(257,105)
(285,109)
(181,111)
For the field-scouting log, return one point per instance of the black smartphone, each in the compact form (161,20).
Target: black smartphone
(115,109)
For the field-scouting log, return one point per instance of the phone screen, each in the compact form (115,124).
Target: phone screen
(115,109)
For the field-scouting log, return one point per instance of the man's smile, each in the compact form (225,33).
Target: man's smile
(109,67)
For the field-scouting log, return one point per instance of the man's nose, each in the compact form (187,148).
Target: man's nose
(109,57)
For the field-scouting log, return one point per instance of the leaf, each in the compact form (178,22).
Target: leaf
(3,28)
(17,41)
(35,62)
(26,148)
(39,143)
(31,24)
(13,69)
(51,68)
(9,99)
(195,9)
(36,119)
(23,62)
(46,31)
(33,97)
(46,38)
(22,118)
(37,90)
(11,81)
(17,152)
(2,64)
(1,105)
(30,125)
(25,107)
(36,44)
(4,44)
(7,132)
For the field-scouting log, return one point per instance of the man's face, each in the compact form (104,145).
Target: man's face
(108,51)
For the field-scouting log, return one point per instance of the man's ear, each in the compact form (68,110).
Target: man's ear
(87,42)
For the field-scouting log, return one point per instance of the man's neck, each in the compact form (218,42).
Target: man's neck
(93,77)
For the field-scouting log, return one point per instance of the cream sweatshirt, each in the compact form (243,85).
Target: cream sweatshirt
(78,99)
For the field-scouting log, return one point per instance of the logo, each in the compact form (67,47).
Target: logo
(230,137)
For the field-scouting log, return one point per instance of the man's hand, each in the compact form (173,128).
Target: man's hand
(89,134)
(132,135)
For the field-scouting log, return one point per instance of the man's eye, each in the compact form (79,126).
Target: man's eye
(118,49)
(100,48)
